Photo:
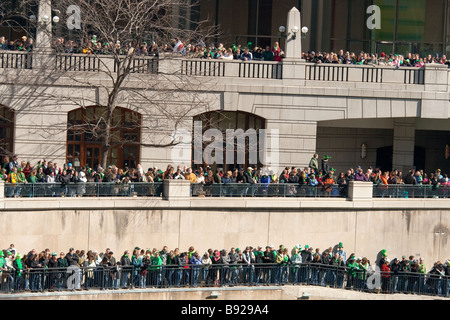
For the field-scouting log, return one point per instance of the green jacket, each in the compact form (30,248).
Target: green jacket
(32,179)
(422,269)
(352,269)
(156,263)
(362,274)
(21,177)
(2,262)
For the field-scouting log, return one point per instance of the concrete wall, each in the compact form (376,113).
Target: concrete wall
(402,227)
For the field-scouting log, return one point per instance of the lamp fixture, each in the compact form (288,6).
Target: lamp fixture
(294,31)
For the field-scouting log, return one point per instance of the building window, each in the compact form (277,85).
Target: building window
(6,131)
(85,137)
(229,120)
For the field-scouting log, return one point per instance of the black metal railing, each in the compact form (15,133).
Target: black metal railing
(101,277)
(89,189)
(283,190)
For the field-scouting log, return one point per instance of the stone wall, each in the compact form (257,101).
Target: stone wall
(402,227)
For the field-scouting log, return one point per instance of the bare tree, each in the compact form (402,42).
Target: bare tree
(123,39)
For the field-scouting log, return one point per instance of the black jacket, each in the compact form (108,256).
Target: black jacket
(125,261)
(269,257)
(52,263)
(306,256)
(72,259)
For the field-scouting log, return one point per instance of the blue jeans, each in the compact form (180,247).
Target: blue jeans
(36,282)
(195,274)
(205,272)
(248,274)
(124,280)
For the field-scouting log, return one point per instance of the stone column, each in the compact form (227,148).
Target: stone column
(43,55)
(293,64)
(404,143)
(294,41)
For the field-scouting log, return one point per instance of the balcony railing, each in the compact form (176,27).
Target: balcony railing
(266,190)
(97,63)
(237,69)
(368,74)
(411,191)
(16,60)
(232,69)
(102,277)
(89,189)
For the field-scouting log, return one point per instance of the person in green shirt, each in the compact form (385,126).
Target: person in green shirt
(422,274)
(32,177)
(155,270)
(352,269)
(2,263)
(362,273)
(17,265)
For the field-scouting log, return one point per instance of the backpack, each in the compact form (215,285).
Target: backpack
(279,259)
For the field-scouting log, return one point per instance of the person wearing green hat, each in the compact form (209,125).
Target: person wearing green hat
(296,261)
(306,260)
(325,165)
(352,269)
(18,266)
(259,259)
(52,265)
(383,258)
(341,252)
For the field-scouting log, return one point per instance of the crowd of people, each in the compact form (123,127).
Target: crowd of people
(22,44)
(318,176)
(37,271)
(247,52)
(364,58)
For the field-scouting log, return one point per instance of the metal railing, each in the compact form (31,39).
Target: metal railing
(410,191)
(174,276)
(89,189)
(16,60)
(283,190)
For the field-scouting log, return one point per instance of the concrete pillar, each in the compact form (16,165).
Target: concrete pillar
(358,190)
(44,29)
(294,41)
(176,189)
(2,189)
(436,77)
(404,143)
(43,57)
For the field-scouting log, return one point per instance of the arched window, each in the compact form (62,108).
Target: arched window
(6,131)
(223,120)
(85,133)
